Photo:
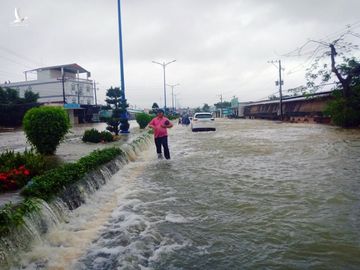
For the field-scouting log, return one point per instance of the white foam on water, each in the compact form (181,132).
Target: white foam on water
(176,218)
(166,249)
(65,243)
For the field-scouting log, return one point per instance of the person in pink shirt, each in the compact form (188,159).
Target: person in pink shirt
(160,124)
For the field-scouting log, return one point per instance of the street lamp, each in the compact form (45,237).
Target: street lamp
(163,64)
(124,126)
(175,100)
(172,94)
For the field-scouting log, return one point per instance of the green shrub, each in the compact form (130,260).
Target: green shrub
(143,119)
(46,127)
(345,112)
(92,135)
(54,181)
(172,117)
(12,216)
(106,136)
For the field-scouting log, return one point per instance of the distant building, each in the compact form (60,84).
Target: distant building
(58,84)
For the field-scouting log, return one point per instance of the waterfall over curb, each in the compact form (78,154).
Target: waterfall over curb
(37,223)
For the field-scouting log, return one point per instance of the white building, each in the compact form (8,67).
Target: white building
(58,84)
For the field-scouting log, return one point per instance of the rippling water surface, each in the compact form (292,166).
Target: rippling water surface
(252,195)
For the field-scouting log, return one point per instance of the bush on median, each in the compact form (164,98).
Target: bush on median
(46,127)
(143,119)
(94,136)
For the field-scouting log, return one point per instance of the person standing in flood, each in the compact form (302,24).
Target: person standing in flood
(160,124)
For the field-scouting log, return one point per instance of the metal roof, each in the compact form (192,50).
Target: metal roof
(291,99)
(72,68)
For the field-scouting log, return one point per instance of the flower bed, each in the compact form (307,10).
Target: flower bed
(16,169)
(14,179)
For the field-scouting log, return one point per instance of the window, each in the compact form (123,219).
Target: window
(203,115)
(88,88)
(73,87)
(89,102)
(29,88)
(73,100)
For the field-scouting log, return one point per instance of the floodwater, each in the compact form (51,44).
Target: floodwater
(252,195)
(72,148)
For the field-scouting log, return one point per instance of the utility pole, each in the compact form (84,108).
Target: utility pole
(175,101)
(163,64)
(221,105)
(95,83)
(280,84)
(280,90)
(78,87)
(172,94)
(63,84)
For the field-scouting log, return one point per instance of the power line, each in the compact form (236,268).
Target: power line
(15,62)
(323,41)
(19,55)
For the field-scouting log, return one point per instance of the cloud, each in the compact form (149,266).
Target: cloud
(220,46)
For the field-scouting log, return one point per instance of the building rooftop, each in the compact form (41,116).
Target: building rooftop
(72,68)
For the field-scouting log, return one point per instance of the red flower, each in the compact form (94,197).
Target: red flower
(26,172)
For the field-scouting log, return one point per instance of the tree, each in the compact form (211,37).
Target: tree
(273,97)
(197,109)
(118,120)
(206,107)
(222,105)
(154,108)
(9,96)
(13,107)
(30,97)
(334,64)
(345,107)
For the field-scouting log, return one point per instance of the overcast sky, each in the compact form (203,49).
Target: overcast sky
(220,46)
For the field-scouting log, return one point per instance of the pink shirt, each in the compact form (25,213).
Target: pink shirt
(158,130)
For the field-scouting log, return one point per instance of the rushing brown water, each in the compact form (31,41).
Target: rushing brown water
(252,195)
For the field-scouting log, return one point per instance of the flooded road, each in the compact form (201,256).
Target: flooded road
(252,195)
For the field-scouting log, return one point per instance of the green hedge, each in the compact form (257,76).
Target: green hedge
(54,181)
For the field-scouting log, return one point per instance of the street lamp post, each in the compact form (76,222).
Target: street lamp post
(124,126)
(163,64)
(172,93)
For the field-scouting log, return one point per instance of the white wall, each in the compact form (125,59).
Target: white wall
(52,91)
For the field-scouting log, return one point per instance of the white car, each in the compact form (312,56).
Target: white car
(203,121)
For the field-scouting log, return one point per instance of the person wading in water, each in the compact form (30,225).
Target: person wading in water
(160,124)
